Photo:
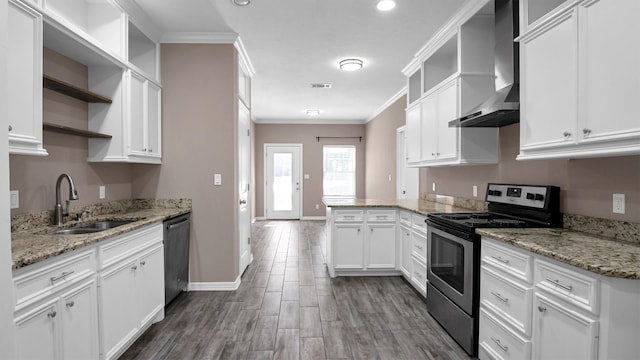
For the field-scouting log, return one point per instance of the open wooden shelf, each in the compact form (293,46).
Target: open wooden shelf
(71,90)
(73,131)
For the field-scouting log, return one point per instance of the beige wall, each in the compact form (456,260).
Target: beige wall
(587,184)
(381,151)
(312,158)
(198,141)
(35,177)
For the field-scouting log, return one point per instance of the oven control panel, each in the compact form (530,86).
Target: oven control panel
(522,195)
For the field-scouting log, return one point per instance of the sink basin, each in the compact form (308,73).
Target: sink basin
(93,227)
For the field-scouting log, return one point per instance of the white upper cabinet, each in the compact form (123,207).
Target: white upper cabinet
(579,79)
(450,76)
(99,22)
(24,77)
(143,53)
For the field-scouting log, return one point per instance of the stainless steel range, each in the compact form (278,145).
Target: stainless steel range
(453,248)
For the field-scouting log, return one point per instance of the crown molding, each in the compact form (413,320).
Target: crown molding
(199,38)
(388,103)
(245,61)
(309,122)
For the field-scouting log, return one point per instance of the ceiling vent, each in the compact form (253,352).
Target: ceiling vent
(320,86)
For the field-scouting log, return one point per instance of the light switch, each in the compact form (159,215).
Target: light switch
(102,192)
(306,176)
(15,199)
(475,190)
(217,179)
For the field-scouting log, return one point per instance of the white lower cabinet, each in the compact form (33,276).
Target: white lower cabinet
(348,245)
(405,251)
(63,326)
(131,288)
(381,246)
(560,332)
(563,312)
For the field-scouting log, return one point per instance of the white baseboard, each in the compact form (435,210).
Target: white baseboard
(314,218)
(215,286)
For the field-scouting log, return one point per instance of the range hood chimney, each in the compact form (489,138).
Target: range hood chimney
(503,108)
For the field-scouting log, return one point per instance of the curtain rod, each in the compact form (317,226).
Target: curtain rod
(339,137)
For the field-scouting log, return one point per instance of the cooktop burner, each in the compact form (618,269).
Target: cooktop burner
(509,222)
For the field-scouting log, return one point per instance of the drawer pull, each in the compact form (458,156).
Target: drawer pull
(542,308)
(503,299)
(70,303)
(143,263)
(381,217)
(558,283)
(52,314)
(61,276)
(134,267)
(349,217)
(502,347)
(504,261)
(419,247)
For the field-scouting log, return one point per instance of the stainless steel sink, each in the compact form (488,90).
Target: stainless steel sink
(92,227)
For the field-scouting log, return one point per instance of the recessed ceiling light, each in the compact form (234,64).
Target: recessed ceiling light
(313,112)
(386,5)
(241,2)
(351,64)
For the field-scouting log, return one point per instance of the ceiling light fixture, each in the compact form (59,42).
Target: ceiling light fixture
(313,112)
(351,64)
(386,5)
(241,2)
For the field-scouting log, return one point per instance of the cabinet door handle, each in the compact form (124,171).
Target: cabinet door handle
(10,127)
(566,134)
(504,261)
(242,202)
(144,150)
(150,150)
(503,299)
(558,283)
(70,303)
(542,308)
(502,347)
(358,230)
(134,267)
(586,132)
(143,263)
(419,247)
(61,276)
(52,314)
(371,229)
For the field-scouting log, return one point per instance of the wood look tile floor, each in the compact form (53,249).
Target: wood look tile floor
(287,307)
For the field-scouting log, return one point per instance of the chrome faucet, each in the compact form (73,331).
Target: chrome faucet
(73,195)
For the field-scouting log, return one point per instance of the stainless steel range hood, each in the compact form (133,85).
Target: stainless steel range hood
(503,108)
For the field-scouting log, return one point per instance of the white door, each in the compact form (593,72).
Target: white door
(283,183)
(244,208)
(407,178)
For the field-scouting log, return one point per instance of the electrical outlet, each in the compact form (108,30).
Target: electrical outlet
(475,190)
(317,206)
(433,187)
(618,204)
(15,199)
(102,192)
(389,177)
(217,179)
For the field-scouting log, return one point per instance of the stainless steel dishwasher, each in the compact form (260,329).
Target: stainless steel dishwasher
(176,256)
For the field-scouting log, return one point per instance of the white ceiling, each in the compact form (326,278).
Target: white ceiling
(293,43)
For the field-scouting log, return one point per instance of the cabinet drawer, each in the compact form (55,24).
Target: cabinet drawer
(515,263)
(381,215)
(419,223)
(419,246)
(498,342)
(567,284)
(405,218)
(419,275)
(348,215)
(507,298)
(45,279)
(127,244)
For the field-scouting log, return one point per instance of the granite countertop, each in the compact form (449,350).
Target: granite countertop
(35,244)
(598,254)
(423,207)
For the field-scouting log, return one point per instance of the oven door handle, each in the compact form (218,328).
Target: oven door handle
(457,233)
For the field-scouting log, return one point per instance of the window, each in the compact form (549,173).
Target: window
(339,171)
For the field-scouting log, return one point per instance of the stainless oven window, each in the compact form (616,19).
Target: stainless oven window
(447,261)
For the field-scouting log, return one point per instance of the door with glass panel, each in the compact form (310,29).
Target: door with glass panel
(283,183)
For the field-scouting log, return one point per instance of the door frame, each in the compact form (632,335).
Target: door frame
(265,173)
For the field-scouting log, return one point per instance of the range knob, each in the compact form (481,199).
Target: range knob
(495,192)
(530,196)
(539,197)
